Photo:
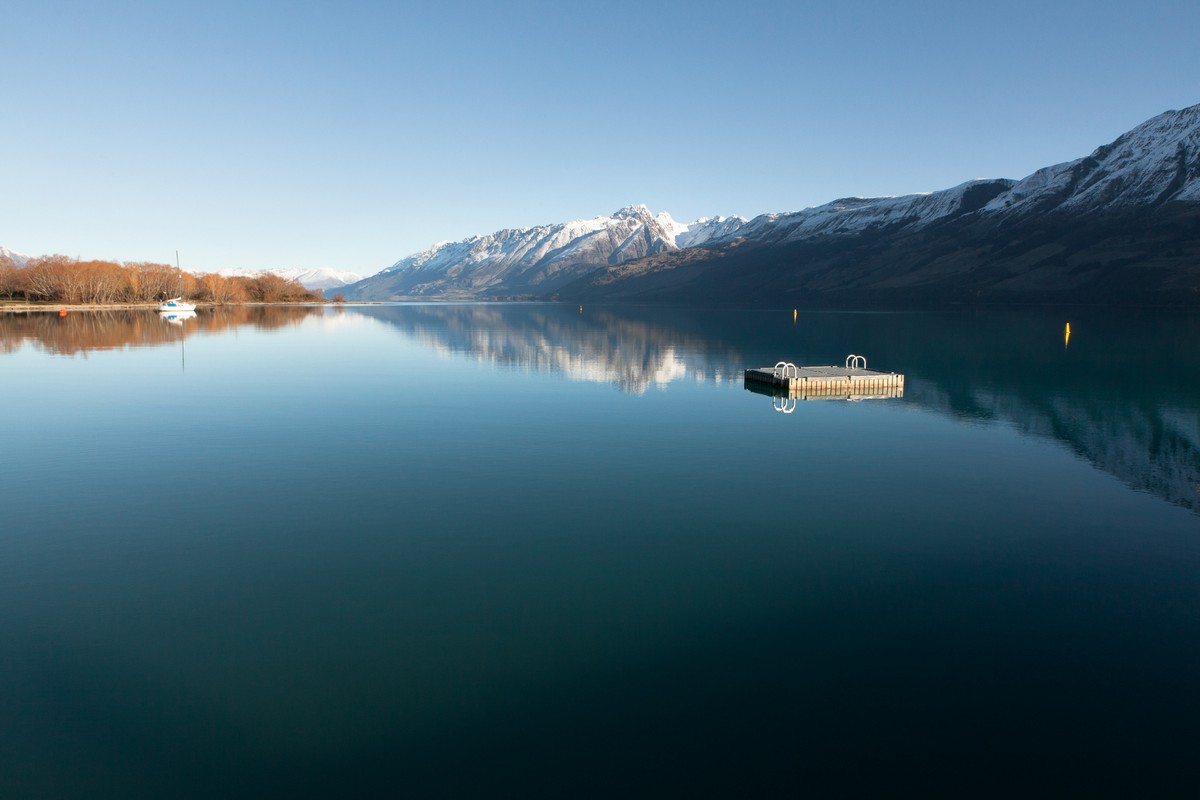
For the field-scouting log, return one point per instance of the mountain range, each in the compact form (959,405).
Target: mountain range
(536,261)
(1121,225)
(318,278)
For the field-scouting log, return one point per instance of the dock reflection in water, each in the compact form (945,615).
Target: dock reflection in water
(1007,367)
(569,550)
(1117,396)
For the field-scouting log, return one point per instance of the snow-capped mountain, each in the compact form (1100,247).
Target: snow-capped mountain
(543,245)
(319,278)
(536,260)
(20,259)
(944,239)
(1121,226)
(1155,162)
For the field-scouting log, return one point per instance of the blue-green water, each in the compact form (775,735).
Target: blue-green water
(481,550)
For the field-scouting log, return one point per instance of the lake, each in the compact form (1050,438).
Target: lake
(542,550)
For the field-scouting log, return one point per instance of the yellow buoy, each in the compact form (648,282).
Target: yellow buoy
(794,316)
(1067,337)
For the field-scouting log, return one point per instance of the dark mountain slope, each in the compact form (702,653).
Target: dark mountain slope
(1124,256)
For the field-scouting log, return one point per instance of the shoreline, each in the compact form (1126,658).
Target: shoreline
(25,307)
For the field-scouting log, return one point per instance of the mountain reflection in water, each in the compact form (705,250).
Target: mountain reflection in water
(618,346)
(1122,393)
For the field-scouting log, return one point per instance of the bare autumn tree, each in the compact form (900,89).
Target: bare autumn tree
(155,281)
(191,285)
(101,282)
(235,291)
(73,283)
(10,278)
(133,283)
(64,280)
(268,288)
(210,288)
(48,278)
(295,292)
(220,289)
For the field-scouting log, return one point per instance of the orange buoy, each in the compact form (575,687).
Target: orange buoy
(62,312)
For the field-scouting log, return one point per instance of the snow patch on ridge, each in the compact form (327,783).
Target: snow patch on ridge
(318,278)
(19,259)
(856,215)
(1156,162)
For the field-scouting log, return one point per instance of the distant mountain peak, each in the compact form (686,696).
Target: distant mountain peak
(638,211)
(315,278)
(527,261)
(19,259)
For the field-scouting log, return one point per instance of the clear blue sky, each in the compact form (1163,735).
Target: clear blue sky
(270,135)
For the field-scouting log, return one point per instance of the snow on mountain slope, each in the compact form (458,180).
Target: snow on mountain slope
(529,257)
(708,229)
(524,260)
(534,259)
(629,233)
(20,259)
(318,278)
(1155,162)
(521,261)
(856,215)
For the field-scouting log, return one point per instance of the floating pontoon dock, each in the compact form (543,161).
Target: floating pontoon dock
(851,382)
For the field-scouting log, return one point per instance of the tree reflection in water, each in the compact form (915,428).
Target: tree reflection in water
(79,332)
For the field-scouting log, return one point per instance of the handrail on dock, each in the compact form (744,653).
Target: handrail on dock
(852,382)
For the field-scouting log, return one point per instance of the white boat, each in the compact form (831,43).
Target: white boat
(176,304)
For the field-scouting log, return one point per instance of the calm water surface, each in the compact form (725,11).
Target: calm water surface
(497,550)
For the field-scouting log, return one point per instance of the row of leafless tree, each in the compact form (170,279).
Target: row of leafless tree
(59,279)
